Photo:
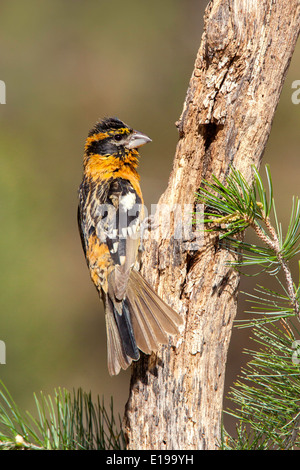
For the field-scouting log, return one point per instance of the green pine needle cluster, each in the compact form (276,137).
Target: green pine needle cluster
(67,421)
(232,207)
(267,393)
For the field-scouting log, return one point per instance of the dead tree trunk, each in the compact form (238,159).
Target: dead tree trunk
(176,395)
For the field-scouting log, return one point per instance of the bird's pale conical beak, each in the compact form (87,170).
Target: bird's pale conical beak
(137,140)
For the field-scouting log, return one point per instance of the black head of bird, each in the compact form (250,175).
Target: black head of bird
(113,137)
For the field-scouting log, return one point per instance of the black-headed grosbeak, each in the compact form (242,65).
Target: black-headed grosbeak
(110,215)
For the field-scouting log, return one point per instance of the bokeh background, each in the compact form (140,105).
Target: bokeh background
(66,64)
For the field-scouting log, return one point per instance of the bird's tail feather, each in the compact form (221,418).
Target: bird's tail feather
(144,323)
(121,344)
(152,318)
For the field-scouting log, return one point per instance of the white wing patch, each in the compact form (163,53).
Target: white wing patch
(127,201)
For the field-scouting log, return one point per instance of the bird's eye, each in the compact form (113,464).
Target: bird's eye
(118,137)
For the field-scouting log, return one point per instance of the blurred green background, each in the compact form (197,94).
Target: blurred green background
(66,64)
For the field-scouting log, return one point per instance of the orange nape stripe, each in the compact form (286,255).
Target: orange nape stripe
(94,138)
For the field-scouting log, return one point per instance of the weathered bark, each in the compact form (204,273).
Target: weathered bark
(176,395)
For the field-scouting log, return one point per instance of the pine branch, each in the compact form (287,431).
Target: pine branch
(66,422)
(267,393)
(272,242)
(232,208)
(268,390)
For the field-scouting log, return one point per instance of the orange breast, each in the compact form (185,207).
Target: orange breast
(101,167)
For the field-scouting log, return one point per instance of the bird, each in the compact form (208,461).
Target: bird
(110,220)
